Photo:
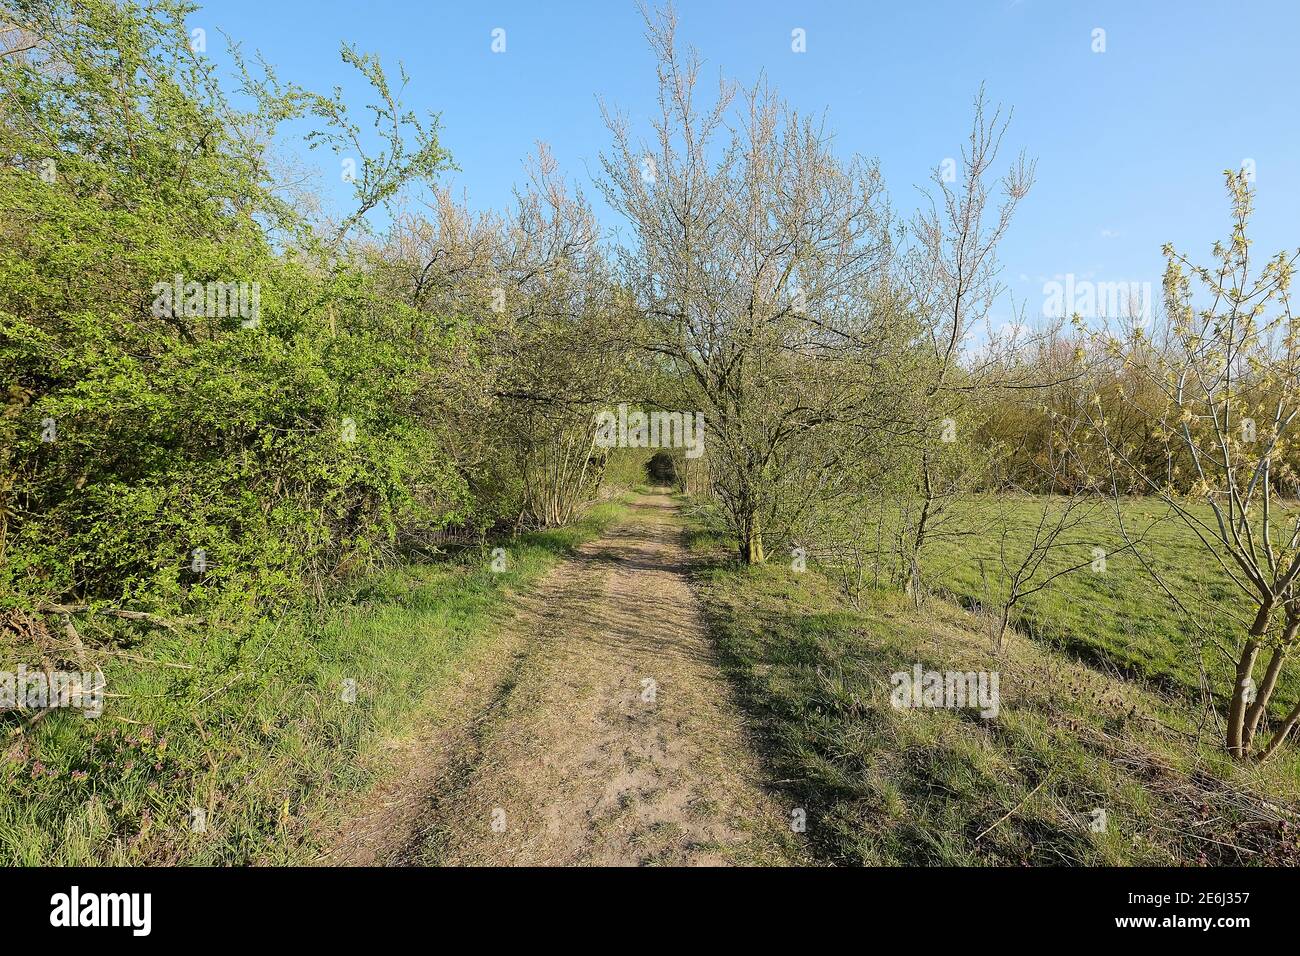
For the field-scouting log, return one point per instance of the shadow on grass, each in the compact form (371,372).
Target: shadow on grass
(938,786)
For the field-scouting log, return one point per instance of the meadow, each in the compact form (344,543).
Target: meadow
(1120,617)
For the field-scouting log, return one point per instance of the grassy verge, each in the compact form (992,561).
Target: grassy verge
(890,786)
(218,748)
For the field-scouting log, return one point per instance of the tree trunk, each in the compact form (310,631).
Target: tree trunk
(1265,693)
(912,585)
(1283,732)
(1237,742)
(1004,622)
(751,540)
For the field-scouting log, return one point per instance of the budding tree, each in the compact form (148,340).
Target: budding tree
(761,262)
(527,298)
(1228,378)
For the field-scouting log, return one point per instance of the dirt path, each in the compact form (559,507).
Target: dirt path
(612,738)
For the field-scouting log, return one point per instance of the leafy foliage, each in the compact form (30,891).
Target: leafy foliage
(287,443)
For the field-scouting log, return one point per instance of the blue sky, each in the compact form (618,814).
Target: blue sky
(1131,143)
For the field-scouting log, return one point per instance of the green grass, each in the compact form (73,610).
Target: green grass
(252,726)
(887,786)
(1120,617)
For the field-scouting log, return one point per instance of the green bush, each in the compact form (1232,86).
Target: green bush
(158,459)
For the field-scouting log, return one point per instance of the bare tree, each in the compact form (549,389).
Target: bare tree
(952,273)
(530,300)
(762,264)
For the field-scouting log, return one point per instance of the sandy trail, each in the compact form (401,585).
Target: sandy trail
(614,740)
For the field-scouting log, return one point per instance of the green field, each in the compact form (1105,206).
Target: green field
(252,727)
(1120,617)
